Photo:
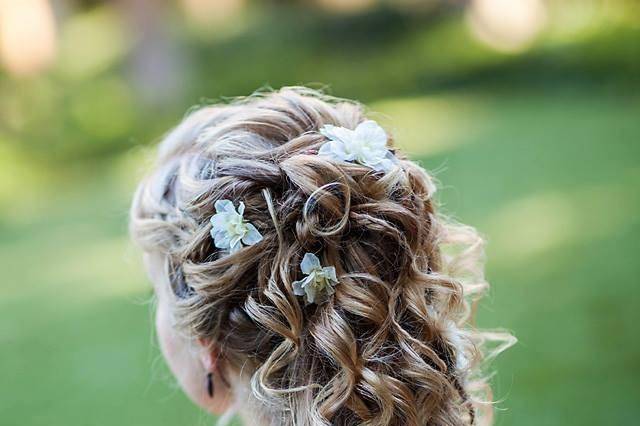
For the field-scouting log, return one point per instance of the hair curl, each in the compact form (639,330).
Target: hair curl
(394,345)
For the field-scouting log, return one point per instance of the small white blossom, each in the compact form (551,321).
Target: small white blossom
(229,230)
(319,280)
(366,145)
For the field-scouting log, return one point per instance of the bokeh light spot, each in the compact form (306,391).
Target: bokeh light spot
(27,36)
(507,25)
(205,13)
(91,42)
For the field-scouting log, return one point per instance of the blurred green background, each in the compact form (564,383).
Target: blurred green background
(528,111)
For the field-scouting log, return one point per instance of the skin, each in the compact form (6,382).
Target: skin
(189,361)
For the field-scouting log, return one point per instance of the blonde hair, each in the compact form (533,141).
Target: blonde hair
(394,345)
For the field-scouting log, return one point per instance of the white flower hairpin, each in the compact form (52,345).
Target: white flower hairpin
(366,145)
(229,230)
(319,280)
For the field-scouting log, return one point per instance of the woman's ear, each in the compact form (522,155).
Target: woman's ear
(208,355)
(218,390)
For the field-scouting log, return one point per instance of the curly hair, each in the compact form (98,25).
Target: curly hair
(395,345)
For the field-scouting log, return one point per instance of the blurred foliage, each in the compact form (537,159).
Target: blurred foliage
(95,100)
(537,148)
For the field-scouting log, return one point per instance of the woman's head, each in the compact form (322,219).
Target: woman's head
(387,346)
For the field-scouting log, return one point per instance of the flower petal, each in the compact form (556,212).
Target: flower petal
(309,262)
(241,208)
(298,290)
(330,273)
(371,133)
(218,220)
(381,165)
(222,220)
(223,206)
(252,236)
(299,286)
(235,246)
(385,165)
(336,133)
(235,240)
(310,293)
(380,160)
(221,240)
(335,150)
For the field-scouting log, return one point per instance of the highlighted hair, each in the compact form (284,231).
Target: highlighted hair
(395,345)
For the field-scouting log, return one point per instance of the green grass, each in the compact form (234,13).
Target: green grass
(550,178)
